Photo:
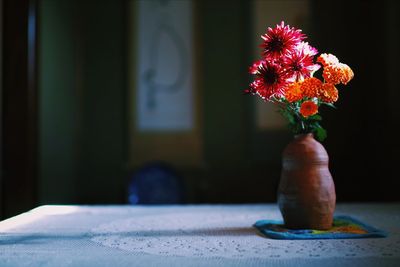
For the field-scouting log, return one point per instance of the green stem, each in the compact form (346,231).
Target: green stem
(303,128)
(299,118)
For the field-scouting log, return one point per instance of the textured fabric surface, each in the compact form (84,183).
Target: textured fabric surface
(205,235)
(343,227)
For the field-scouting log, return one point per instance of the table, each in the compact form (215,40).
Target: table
(186,235)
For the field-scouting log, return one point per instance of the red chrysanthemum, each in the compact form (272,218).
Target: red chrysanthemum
(270,80)
(280,40)
(299,63)
(254,68)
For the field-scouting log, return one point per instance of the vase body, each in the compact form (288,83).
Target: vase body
(306,192)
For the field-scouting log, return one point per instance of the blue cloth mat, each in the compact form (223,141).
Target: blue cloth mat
(343,227)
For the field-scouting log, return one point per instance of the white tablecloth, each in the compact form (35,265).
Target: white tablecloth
(192,235)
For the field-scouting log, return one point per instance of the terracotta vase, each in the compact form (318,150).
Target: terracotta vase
(306,192)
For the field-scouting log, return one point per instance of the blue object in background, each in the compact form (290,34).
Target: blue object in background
(155,183)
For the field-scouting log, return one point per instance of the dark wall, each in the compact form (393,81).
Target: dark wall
(362,139)
(82,101)
(241,163)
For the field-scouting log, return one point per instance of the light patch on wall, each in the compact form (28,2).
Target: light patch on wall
(164,95)
(268,13)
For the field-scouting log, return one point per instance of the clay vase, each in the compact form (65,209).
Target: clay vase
(306,192)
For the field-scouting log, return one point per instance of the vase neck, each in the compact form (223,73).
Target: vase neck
(305,135)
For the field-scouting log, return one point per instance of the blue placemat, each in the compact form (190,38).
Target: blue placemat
(343,227)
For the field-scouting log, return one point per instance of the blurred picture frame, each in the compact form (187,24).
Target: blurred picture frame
(164,98)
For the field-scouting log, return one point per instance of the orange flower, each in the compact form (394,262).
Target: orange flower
(311,86)
(329,93)
(308,108)
(348,74)
(327,59)
(337,73)
(293,92)
(332,74)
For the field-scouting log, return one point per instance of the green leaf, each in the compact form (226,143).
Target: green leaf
(291,118)
(320,133)
(288,115)
(315,117)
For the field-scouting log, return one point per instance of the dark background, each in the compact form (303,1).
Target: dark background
(65,104)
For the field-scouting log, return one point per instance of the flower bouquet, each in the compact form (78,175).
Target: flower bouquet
(285,76)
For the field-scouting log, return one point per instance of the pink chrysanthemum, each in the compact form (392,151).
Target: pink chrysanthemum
(307,49)
(270,81)
(280,40)
(300,63)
